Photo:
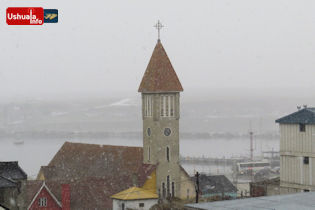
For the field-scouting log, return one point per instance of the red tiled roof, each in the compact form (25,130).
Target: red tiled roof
(160,75)
(98,170)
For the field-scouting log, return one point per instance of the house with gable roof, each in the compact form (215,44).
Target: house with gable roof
(134,198)
(11,176)
(154,168)
(297,151)
(44,198)
(36,194)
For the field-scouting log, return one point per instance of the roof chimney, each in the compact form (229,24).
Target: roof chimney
(65,196)
(304,106)
(298,107)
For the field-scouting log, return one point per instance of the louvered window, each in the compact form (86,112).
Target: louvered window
(167,106)
(148,106)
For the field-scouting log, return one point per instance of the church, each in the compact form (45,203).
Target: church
(160,90)
(121,177)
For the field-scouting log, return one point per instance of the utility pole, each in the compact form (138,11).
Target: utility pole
(197,186)
(251,133)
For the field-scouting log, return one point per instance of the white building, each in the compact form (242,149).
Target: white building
(297,151)
(134,198)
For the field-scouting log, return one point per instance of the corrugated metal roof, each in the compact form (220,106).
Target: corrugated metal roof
(300,201)
(160,75)
(5,182)
(304,116)
(135,193)
(12,170)
(215,184)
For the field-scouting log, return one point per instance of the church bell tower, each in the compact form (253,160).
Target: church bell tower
(160,90)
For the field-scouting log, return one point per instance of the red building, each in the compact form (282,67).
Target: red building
(45,199)
(95,172)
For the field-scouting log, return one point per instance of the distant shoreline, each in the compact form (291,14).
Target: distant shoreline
(127,135)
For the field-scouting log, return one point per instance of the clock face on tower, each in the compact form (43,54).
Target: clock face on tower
(149,131)
(167,131)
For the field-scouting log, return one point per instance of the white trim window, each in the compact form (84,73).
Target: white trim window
(42,202)
(167,105)
(148,106)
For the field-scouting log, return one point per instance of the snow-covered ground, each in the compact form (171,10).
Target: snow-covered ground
(32,154)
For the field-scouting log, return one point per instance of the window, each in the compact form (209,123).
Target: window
(168,154)
(162,106)
(306,190)
(163,190)
(141,204)
(173,189)
(42,202)
(166,102)
(149,153)
(167,106)
(172,105)
(123,206)
(148,108)
(187,194)
(167,131)
(168,186)
(302,127)
(306,160)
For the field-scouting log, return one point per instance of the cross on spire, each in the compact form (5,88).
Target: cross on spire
(158,26)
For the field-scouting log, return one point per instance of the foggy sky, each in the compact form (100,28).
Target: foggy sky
(103,46)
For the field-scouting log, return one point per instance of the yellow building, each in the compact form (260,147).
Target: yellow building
(134,198)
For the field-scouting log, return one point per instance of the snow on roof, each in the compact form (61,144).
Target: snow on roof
(301,201)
